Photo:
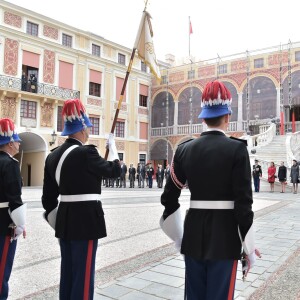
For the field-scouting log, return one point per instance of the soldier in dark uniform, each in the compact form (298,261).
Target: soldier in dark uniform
(74,172)
(256,173)
(12,209)
(131,172)
(219,221)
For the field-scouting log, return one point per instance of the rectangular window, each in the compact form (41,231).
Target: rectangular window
(121,156)
(95,89)
(259,63)
(59,121)
(32,28)
(67,40)
(222,69)
(120,129)
(121,59)
(119,86)
(28,109)
(95,50)
(191,74)
(143,67)
(297,56)
(96,124)
(163,79)
(143,100)
(142,159)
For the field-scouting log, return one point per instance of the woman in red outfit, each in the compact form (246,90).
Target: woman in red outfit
(271,176)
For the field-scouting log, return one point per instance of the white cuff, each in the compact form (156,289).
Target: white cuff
(18,215)
(172,226)
(248,243)
(51,218)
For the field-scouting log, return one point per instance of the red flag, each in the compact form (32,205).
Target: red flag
(191,28)
(281,123)
(293,121)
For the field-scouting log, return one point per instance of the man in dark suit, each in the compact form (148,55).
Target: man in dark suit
(256,173)
(74,172)
(12,209)
(131,172)
(219,221)
(123,175)
(160,176)
(150,172)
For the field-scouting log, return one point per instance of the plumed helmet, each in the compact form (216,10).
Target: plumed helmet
(75,117)
(216,100)
(8,132)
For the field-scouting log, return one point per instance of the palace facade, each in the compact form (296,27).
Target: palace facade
(43,62)
(264,84)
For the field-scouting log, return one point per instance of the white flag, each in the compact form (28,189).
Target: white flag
(144,45)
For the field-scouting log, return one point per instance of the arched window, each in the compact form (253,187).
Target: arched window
(159,111)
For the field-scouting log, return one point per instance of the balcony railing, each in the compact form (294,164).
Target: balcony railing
(42,88)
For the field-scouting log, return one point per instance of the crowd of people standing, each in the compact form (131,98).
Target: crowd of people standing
(142,175)
(281,174)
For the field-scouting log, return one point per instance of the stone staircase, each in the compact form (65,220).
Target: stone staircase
(274,151)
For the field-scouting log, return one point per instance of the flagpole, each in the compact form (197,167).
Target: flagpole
(121,97)
(124,87)
(189,37)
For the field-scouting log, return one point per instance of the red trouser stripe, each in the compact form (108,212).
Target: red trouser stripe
(88,271)
(3,260)
(232,280)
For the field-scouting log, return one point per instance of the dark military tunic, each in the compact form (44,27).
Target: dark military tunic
(216,168)
(10,189)
(81,173)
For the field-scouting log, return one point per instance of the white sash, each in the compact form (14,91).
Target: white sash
(63,157)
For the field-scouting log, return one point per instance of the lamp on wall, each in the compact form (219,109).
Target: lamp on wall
(54,136)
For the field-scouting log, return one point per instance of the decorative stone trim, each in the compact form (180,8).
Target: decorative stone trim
(49,66)
(50,32)
(143,147)
(12,19)
(120,145)
(9,108)
(47,115)
(143,111)
(95,102)
(11,57)
(123,106)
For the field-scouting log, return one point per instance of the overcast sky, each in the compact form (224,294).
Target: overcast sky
(219,27)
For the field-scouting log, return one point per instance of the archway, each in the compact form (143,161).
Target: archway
(295,96)
(158,152)
(184,106)
(262,99)
(234,104)
(32,155)
(159,111)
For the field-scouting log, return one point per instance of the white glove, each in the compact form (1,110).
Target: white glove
(250,259)
(111,144)
(18,231)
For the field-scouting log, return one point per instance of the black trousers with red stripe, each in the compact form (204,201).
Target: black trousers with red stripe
(77,269)
(7,255)
(210,280)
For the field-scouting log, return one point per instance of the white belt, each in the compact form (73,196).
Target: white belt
(3,204)
(80,197)
(199,204)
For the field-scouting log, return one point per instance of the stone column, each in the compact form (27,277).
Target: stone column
(278,102)
(240,111)
(175,117)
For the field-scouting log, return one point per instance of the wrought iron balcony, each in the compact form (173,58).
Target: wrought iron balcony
(40,88)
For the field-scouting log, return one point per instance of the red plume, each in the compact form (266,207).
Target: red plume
(72,109)
(215,90)
(7,127)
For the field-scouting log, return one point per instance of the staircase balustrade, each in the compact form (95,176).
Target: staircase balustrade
(293,147)
(266,135)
